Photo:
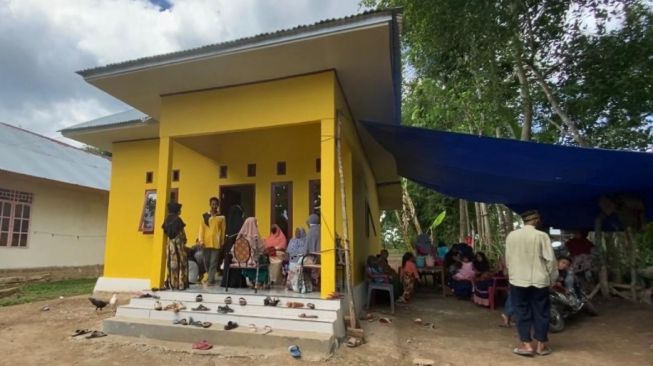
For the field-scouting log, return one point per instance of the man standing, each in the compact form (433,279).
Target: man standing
(532,269)
(211,238)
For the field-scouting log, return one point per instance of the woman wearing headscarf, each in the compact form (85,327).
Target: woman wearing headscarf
(296,249)
(313,241)
(235,222)
(177,261)
(275,248)
(250,232)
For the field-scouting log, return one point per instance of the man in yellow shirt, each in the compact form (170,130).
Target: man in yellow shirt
(532,269)
(211,238)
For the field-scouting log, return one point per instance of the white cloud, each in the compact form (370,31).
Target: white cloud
(44,42)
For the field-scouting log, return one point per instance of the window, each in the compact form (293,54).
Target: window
(318,165)
(282,207)
(175,175)
(314,197)
(146,224)
(149,177)
(223,171)
(251,170)
(281,168)
(15,210)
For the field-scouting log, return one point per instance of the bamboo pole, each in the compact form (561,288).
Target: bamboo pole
(600,241)
(633,262)
(345,227)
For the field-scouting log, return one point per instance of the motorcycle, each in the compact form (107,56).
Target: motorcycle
(565,303)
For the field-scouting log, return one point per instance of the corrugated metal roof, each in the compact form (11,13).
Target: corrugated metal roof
(86,73)
(28,153)
(126,117)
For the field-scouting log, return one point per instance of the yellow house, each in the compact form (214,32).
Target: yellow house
(255,118)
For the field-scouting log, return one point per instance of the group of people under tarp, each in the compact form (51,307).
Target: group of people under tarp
(273,258)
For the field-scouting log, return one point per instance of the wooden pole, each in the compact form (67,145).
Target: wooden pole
(633,262)
(345,227)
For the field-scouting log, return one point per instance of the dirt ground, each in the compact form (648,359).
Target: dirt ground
(464,334)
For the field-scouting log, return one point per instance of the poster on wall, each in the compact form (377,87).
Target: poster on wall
(149,208)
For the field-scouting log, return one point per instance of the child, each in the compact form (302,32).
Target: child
(408,276)
(466,271)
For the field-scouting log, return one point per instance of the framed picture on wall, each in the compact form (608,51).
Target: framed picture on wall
(147,215)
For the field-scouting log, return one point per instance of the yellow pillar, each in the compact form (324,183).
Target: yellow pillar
(328,205)
(162,188)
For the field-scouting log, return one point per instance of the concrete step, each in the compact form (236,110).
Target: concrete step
(285,322)
(250,309)
(257,299)
(308,341)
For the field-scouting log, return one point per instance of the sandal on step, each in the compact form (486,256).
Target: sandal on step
(353,342)
(252,328)
(225,309)
(200,307)
(158,306)
(199,298)
(310,306)
(227,300)
(96,334)
(242,301)
(231,325)
(304,316)
(206,324)
(267,329)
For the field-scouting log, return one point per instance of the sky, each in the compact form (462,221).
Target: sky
(43,43)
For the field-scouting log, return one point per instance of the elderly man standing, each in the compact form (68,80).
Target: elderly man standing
(532,269)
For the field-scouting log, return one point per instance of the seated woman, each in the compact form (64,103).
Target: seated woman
(461,274)
(385,268)
(275,246)
(313,239)
(483,280)
(409,276)
(296,250)
(250,232)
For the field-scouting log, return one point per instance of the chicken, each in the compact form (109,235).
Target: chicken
(113,301)
(99,304)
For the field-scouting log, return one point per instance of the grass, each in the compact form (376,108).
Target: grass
(38,291)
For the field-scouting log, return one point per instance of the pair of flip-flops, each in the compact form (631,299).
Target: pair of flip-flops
(522,352)
(242,301)
(306,316)
(192,322)
(225,309)
(200,307)
(227,300)
(230,325)
(271,301)
(202,345)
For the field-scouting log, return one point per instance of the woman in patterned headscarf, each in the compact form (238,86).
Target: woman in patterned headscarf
(250,232)
(177,261)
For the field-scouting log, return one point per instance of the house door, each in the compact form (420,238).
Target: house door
(242,195)
(282,207)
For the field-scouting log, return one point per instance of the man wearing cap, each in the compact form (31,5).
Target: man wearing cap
(532,269)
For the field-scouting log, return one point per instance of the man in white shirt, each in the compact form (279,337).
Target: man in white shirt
(532,269)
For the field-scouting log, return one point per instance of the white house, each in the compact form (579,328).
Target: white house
(53,202)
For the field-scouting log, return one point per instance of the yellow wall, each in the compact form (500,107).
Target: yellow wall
(363,185)
(274,103)
(128,251)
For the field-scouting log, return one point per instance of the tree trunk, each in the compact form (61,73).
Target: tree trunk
(571,125)
(345,229)
(632,246)
(502,226)
(599,238)
(403,224)
(525,94)
(408,202)
(479,224)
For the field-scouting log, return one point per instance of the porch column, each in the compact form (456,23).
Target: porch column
(163,176)
(328,206)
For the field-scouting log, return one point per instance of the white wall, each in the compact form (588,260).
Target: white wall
(61,209)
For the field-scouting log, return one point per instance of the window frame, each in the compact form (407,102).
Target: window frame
(13,202)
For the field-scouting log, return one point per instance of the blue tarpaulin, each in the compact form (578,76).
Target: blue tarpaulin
(564,183)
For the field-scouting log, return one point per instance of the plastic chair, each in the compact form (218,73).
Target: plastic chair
(386,285)
(499,285)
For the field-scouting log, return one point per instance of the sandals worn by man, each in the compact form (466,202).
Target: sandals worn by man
(523,352)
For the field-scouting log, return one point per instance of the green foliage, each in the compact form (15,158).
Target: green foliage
(38,291)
